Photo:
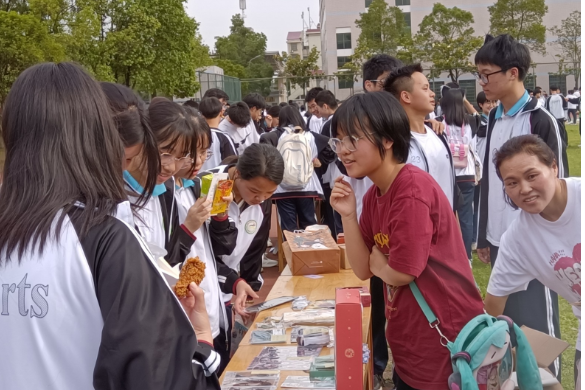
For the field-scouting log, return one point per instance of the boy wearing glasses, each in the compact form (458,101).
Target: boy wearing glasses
(502,65)
(406,232)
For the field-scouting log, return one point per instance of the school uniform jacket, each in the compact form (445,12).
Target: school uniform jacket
(253,226)
(94,312)
(532,119)
(222,147)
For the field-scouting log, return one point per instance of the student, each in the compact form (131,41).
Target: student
(216,237)
(256,174)
(556,104)
(572,108)
(221,146)
(192,103)
(541,100)
(485,107)
(219,94)
(463,151)
(131,119)
(257,105)
(502,65)
(157,220)
(273,112)
(544,241)
(408,232)
(297,208)
(91,309)
(428,151)
(314,122)
(239,126)
(377,69)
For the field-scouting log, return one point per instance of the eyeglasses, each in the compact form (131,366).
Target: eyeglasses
(168,159)
(484,78)
(376,81)
(348,142)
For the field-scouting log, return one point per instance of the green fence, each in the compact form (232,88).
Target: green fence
(231,85)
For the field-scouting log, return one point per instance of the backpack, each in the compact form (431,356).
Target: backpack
(297,155)
(481,355)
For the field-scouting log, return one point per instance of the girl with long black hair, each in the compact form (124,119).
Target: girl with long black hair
(83,303)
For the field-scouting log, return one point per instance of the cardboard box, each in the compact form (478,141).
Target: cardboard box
(343,261)
(311,253)
(348,340)
(546,349)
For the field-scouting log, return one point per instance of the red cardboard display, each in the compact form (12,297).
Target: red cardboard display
(348,340)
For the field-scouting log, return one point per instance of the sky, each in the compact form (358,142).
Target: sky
(275,18)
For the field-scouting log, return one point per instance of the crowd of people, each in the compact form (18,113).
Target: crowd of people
(97,186)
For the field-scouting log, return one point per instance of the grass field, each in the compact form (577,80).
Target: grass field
(569,324)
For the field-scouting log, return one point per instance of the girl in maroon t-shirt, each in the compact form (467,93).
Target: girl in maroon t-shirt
(407,231)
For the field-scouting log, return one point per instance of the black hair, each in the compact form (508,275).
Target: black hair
(191,103)
(326,97)
(261,160)
(239,114)
(571,91)
(377,65)
(284,104)
(505,52)
(529,91)
(171,124)
(255,100)
(453,108)
(274,111)
(290,116)
(451,85)
(537,90)
(375,116)
(312,94)
(62,147)
(210,107)
(481,99)
(131,119)
(401,79)
(303,108)
(530,144)
(553,88)
(200,127)
(216,93)
(293,104)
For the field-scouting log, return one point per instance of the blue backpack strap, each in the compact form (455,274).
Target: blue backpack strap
(428,312)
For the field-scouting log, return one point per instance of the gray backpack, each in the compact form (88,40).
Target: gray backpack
(297,155)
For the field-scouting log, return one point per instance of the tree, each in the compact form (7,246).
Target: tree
(299,71)
(569,43)
(446,40)
(245,47)
(383,30)
(522,19)
(24,41)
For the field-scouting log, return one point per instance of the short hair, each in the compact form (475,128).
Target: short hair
(255,100)
(401,79)
(571,91)
(375,116)
(210,107)
(553,87)
(284,104)
(326,97)
(216,93)
(529,91)
(505,52)
(312,94)
(537,90)
(261,160)
(530,144)
(290,116)
(274,111)
(481,99)
(239,114)
(191,103)
(378,64)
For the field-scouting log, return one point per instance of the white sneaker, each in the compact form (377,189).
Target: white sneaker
(267,263)
(474,246)
(269,243)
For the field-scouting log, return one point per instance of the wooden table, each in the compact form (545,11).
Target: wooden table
(314,289)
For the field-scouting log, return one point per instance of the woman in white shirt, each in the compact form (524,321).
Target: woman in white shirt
(544,241)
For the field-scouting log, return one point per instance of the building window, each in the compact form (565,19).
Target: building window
(470,90)
(293,46)
(402,2)
(368,2)
(407,22)
(530,82)
(342,61)
(436,87)
(345,82)
(343,41)
(559,81)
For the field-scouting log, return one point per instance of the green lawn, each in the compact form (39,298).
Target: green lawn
(569,324)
